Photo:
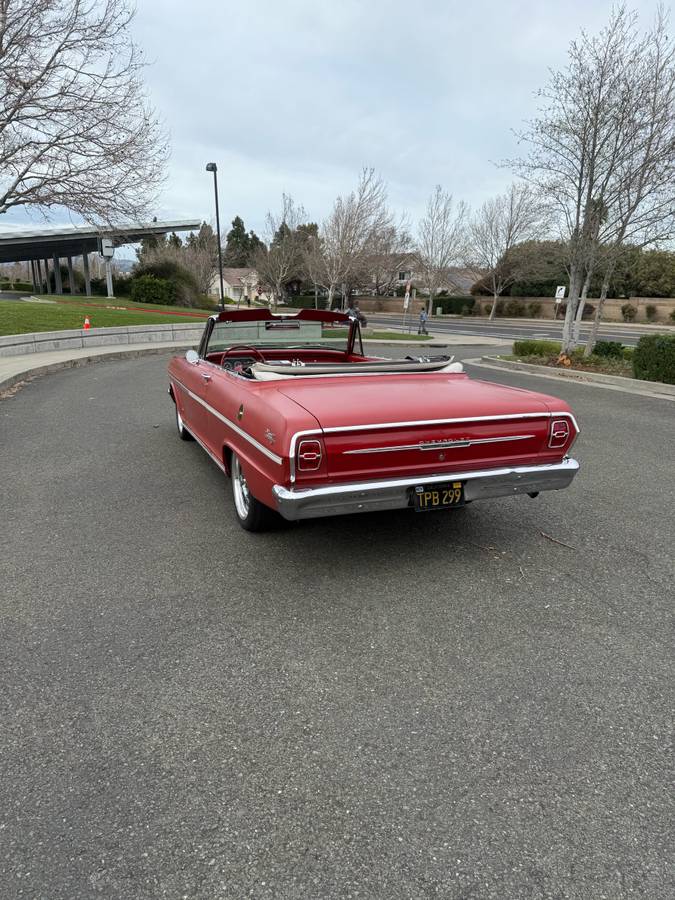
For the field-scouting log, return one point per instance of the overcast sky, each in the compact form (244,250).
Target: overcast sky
(298,95)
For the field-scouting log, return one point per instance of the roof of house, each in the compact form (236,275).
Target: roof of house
(236,276)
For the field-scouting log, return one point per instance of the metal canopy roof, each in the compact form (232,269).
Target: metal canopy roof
(74,240)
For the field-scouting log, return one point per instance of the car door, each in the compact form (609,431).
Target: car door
(190,389)
(224,393)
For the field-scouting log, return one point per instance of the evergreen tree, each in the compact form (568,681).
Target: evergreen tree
(241,246)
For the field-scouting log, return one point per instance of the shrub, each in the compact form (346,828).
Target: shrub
(612,349)
(536,348)
(23,286)
(534,309)
(455,305)
(629,312)
(650,312)
(628,353)
(185,287)
(306,301)
(513,309)
(654,358)
(149,289)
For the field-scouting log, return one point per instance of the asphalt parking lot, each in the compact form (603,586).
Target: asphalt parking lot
(466,705)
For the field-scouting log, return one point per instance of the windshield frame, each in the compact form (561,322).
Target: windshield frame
(265,315)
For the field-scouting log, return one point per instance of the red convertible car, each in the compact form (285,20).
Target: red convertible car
(306,425)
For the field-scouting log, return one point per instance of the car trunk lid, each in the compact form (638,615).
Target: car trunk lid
(384,426)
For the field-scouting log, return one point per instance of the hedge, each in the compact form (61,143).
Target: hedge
(609,349)
(306,301)
(536,348)
(654,358)
(454,305)
(148,289)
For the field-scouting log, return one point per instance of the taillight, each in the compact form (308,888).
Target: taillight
(560,433)
(309,455)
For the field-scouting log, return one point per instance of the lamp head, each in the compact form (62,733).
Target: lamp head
(211,167)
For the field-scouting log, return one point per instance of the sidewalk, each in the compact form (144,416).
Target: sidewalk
(14,369)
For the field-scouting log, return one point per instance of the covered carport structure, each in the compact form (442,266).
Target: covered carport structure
(41,247)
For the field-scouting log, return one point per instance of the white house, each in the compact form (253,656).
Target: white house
(238,284)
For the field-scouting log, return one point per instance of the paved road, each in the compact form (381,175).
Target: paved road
(387,706)
(543,328)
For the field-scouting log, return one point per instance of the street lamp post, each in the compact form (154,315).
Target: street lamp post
(212,167)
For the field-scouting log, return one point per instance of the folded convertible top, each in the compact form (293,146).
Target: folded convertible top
(265,371)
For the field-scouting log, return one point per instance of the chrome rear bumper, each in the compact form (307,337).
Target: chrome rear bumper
(395,493)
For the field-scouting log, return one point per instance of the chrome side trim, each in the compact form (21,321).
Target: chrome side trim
(247,437)
(212,455)
(440,445)
(544,414)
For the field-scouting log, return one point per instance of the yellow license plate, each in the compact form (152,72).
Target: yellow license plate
(438,496)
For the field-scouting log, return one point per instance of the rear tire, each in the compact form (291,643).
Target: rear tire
(252,515)
(183,433)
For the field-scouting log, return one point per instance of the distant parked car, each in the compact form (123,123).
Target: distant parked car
(306,425)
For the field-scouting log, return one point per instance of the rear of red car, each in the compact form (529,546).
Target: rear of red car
(427,441)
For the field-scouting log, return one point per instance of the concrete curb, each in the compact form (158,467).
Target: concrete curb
(79,339)
(23,371)
(613,382)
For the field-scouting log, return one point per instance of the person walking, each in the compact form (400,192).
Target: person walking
(423,322)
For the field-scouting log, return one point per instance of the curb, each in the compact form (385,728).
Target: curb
(653,389)
(75,362)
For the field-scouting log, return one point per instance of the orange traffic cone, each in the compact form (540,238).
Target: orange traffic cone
(87,323)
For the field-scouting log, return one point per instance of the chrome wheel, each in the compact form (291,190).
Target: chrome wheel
(242,496)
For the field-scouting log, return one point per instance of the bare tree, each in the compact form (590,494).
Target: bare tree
(200,256)
(389,253)
(279,259)
(579,140)
(500,224)
(348,233)
(75,126)
(441,241)
(643,203)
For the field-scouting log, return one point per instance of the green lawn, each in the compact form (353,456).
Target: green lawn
(394,336)
(117,303)
(22,317)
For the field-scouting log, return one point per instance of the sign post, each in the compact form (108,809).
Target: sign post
(559,297)
(107,251)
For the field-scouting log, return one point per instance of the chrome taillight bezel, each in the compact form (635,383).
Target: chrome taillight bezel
(559,435)
(309,455)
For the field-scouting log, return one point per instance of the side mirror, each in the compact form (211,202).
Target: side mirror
(192,357)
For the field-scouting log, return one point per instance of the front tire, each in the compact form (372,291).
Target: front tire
(251,513)
(183,433)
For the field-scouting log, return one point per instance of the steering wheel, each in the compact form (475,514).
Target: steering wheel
(252,351)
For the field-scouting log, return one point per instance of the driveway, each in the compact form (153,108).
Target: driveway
(470,705)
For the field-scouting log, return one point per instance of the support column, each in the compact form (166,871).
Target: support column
(49,284)
(85,269)
(34,277)
(108,277)
(71,275)
(58,284)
